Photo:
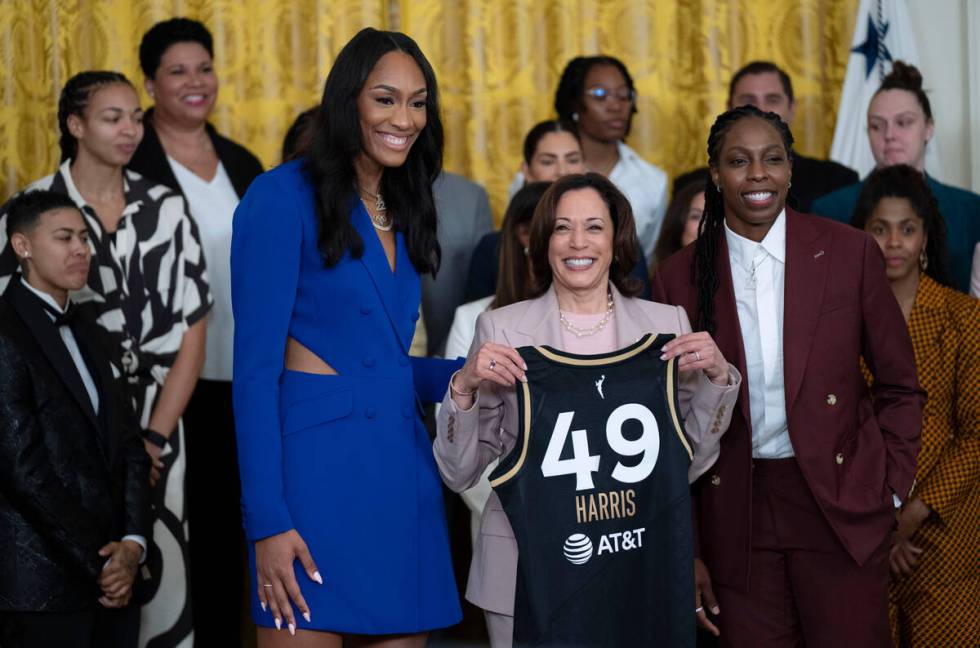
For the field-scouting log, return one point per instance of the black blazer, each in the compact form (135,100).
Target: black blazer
(70,480)
(812,178)
(150,160)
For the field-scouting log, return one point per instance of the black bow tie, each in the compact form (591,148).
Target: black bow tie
(62,319)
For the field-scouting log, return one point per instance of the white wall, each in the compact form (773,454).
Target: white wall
(950,68)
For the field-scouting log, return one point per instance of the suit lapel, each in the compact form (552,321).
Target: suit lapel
(52,346)
(807,265)
(728,335)
(538,325)
(376,264)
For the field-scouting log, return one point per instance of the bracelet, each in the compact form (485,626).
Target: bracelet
(155,438)
(452,386)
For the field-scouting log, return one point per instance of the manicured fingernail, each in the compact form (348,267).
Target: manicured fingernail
(278,623)
(716,610)
(262,603)
(292,629)
(317,577)
(525,366)
(663,356)
(306,615)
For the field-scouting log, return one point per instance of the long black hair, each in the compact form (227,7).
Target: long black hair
(74,99)
(903,181)
(704,272)
(337,142)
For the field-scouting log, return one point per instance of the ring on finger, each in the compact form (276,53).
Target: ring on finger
(493,364)
(697,356)
(698,610)
(269,585)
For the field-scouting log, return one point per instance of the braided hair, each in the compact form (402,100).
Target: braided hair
(74,99)
(704,273)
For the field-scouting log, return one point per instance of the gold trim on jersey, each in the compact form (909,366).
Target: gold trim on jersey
(526,391)
(592,362)
(671,403)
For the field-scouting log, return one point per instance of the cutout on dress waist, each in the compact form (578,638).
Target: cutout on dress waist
(300,358)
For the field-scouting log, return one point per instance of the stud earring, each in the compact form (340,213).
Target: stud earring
(575,117)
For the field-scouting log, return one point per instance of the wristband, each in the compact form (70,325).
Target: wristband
(155,438)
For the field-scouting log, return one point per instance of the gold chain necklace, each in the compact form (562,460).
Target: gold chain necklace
(379,218)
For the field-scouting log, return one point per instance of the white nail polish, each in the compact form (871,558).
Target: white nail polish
(262,603)
(306,615)
(278,623)
(317,577)
(292,629)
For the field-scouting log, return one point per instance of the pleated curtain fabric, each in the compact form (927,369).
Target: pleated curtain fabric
(498,62)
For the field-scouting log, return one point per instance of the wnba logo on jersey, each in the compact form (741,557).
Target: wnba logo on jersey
(578,547)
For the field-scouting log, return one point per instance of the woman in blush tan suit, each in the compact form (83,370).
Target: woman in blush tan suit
(582,248)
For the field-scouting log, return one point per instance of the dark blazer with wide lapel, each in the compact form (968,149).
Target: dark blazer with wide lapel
(467,442)
(72,480)
(854,452)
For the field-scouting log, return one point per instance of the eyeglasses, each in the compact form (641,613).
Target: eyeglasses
(602,94)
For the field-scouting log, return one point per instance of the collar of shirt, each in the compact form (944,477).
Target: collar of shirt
(132,205)
(743,250)
(48,299)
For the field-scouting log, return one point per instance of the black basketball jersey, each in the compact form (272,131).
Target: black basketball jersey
(596,491)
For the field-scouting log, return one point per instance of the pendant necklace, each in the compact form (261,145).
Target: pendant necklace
(379,218)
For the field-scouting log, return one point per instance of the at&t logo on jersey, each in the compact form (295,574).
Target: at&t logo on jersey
(578,547)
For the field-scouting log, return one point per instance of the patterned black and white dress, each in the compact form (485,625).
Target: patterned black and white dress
(147,285)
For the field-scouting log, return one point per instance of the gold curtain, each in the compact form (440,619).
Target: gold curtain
(498,62)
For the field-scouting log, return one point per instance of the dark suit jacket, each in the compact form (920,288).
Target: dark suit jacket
(812,178)
(70,480)
(150,160)
(854,451)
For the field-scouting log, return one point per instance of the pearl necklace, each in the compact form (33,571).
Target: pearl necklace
(592,330)
(379,218)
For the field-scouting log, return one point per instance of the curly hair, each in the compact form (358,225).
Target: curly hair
(704,272)
(903,181)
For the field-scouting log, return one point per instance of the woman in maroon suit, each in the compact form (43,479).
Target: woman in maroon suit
(795,515)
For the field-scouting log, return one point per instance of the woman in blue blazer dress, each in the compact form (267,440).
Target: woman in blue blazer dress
(342,501)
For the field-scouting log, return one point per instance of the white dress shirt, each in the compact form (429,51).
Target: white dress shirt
(76,357)
(758,277)
(212,205)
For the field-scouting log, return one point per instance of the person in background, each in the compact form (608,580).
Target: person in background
(463,210)
(795,516)
(900,126)
(342,501)
(681,222)
(182,150)
(74,477)
(550,151)
(299,136)
(935,583)
(766,86)
(148,289)
(582,310)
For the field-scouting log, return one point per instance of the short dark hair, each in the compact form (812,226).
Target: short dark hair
(338,141)
(625,245)
(906,77)
(903,181)
(539,131)
(74,99)
(162,35)
(571,87)
(24,210)
(761,67)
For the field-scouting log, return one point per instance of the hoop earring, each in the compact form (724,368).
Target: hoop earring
(718,187)
(923,259)
(789,186)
